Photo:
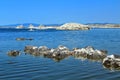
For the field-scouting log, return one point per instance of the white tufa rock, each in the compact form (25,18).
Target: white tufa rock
(34,47)
(73,26)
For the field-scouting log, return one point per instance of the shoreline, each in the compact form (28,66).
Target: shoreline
(58,29)
(66,26)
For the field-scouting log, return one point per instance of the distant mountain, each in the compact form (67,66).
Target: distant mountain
(104,25)
(100,23)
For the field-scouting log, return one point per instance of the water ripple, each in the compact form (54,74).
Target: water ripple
(26,67)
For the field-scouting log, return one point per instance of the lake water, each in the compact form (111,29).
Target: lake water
(28,67)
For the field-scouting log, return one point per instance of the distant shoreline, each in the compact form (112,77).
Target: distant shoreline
(56,29)
(66,26)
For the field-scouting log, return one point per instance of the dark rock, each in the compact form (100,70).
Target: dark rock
(31,49)
(29,39)
(62,52)
(13,53)
(43,50)
(58,53)
(22,39)
(112,62)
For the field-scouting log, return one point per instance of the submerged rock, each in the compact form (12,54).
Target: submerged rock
(29,39)
(112,62)
(22,39)
(13,53)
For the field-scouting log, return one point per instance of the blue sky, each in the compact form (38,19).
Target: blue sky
(59,11)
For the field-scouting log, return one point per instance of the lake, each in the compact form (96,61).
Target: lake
(28,67)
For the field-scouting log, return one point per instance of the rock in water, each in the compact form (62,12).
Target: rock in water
(43,50)
(13,53)
(90,53)
(22,39)
(30,49)
(36,51)
(112,62)
(79,53)
(60,52)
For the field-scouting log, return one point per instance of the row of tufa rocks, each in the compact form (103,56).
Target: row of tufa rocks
(61,52)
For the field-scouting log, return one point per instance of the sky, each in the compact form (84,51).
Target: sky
(59,11)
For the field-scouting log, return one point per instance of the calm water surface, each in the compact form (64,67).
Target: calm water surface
(27,67)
